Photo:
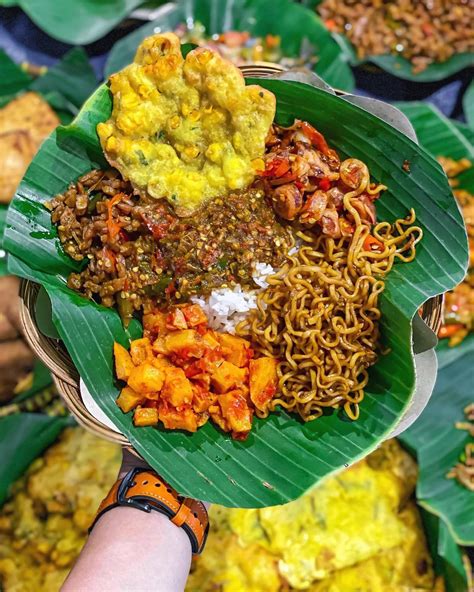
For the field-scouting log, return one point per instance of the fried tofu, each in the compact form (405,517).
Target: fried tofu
(24,124)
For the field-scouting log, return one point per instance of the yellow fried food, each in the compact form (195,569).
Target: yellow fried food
(16,151)
(357,532)
(44,525)
(24,123)
(185,129)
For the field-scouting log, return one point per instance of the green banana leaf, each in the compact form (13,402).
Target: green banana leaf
(441,137)
(65,86)
(41,379)
(78,22)
(468,105)
(465,130)
(12,80)
(282,457)
(438,445)
(401,67)
(447,555)
(72,78)
(293,23)
(3,254)
(24,437)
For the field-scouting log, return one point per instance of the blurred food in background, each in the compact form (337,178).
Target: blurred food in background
(241,48)
(459,303)
(360,529)
(24,124)
(422,31)
(44,525)
(463,471)
(16,358)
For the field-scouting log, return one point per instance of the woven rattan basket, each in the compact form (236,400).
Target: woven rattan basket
(55,356)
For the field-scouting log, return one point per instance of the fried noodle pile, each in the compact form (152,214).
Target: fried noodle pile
(320,314)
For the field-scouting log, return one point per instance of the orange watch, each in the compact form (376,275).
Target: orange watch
(144,490)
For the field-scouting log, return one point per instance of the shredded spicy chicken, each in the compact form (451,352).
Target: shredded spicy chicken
(306,182)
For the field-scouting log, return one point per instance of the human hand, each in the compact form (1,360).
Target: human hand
(16,358)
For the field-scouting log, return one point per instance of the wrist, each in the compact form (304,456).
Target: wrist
(143,489)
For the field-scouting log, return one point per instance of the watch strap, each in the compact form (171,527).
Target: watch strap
(144,490)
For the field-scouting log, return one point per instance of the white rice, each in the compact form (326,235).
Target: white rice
(226,308)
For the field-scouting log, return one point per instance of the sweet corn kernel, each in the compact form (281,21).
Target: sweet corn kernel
(194,116)
(258,164)
(174,122)
(204,57)
(191,151)
(214,152)
(112,144)
(144,91)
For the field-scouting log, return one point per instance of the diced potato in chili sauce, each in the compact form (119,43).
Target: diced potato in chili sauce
(123,362)
(235,349)
(140,350)
(155,323)
(194,315)
(176,320)
(186,343)
(263,381)
(203,398)
(162,363)
(181,373)
(146,378)
(145,416)
(236,412)
(183,418)
(210,340)
(129,399)
(177,389)
(227,376)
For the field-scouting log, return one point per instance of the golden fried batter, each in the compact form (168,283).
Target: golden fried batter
(185,129)
(359,530)
(24,124)
(16,151)
(44,526)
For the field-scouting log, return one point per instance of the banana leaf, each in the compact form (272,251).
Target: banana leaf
(65,86)
(3,254)
(41,380)
(465,130)
(468,105)
(401,67)
(437,444)
(441,137)
(24,437)
(282,457)
(296,26)
(12,80)
(78,22)
(447,555)
(72,78)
